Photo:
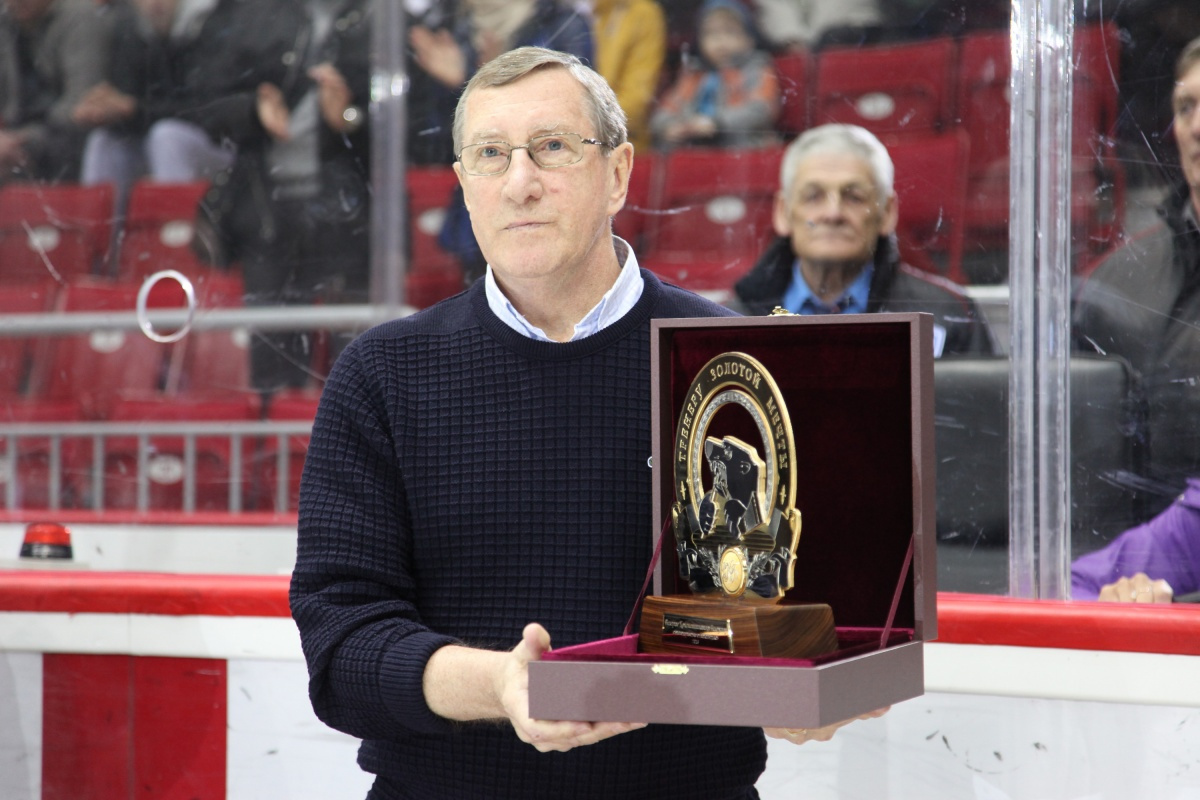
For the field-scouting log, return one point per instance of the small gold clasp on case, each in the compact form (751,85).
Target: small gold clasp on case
(670,669)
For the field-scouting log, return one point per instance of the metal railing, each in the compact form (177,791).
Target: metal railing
(73,461)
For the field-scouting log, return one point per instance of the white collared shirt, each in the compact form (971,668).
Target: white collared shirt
(615,303)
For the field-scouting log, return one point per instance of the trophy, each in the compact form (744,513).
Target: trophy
(736,540)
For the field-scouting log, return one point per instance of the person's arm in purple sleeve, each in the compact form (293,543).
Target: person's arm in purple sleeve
(1149,563)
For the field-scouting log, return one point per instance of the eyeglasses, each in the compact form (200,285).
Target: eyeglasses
(548,151)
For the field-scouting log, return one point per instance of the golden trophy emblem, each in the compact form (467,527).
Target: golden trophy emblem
(736,539)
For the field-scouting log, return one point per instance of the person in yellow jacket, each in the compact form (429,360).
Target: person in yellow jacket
(631,44)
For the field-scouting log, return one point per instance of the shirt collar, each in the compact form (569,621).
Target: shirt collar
(616,302)
(800,299)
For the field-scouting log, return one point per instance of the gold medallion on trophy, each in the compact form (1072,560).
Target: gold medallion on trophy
(735,539)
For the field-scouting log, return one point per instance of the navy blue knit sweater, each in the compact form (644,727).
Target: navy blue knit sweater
(463,480)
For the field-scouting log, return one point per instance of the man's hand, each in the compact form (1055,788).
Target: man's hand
(802,735)
(103,104)
(12,150)
(512,687)
(1137,589)
(438,54)
(333,95)
(465,683)
(273,111)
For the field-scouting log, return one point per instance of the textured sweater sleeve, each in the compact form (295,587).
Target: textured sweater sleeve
(353,594)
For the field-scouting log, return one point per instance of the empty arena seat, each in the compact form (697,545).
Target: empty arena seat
(632,221)
(274,491)
(32,297)
(83,372)
(983,102)
(971,429)
(714,216)
(167,460)
(56,232)
(887,89)
(931,185)
(158,230)
(794,70)
(433,273)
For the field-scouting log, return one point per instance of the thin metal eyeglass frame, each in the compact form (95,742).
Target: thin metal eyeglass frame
(525,147)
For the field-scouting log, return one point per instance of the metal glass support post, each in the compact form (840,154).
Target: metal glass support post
(389,127)
(1039,282)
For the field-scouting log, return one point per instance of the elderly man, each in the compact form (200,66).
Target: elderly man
(477,475)
(836,215)
(51,53)
(1142,302)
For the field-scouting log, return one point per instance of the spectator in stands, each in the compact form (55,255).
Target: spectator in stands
(180,97)
(835,215)
(730,96)
(813,24)
(1142,301)
(51,53)
(294,209)
(482,30)
(1152,563)
(430,103)
(1153,35)
(631,43)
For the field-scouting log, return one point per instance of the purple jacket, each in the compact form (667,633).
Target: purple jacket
(1166,547)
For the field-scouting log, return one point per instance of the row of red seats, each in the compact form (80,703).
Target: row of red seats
(61,232)
(123,376)
(938,85)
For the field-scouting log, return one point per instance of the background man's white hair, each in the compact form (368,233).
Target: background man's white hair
(846,139)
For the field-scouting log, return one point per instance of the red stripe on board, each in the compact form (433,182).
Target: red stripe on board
(76,592)
(86,727)
(117,727)
(1130,627)
(188,518)
(962,618)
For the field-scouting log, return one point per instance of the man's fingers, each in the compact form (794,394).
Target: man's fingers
(562,736)
(536,640)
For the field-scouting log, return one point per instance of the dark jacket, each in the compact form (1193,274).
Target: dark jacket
(895,286)
(211,77)
(1142,302)
(66,53)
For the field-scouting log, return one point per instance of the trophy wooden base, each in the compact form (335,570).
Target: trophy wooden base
(686,624)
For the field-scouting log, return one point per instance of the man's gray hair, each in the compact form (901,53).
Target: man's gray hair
(842,139)
(603,109)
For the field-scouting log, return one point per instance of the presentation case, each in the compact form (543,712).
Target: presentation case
(859,393)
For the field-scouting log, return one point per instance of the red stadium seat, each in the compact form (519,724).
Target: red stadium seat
(631,221)
(983,106)
(433,273)
(166,458)
(158,230)
(795,71)
(15,351)
(55,232)
(297,405)
(887,89)
(1098,184)
(87,371)
(714,218)
(213,362)
(931,184)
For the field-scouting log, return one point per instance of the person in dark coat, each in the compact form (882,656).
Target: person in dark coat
(51,53)
(1142,302)
(835,216)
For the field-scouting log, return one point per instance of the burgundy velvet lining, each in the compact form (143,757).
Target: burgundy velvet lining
(849,394)
(851,642)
